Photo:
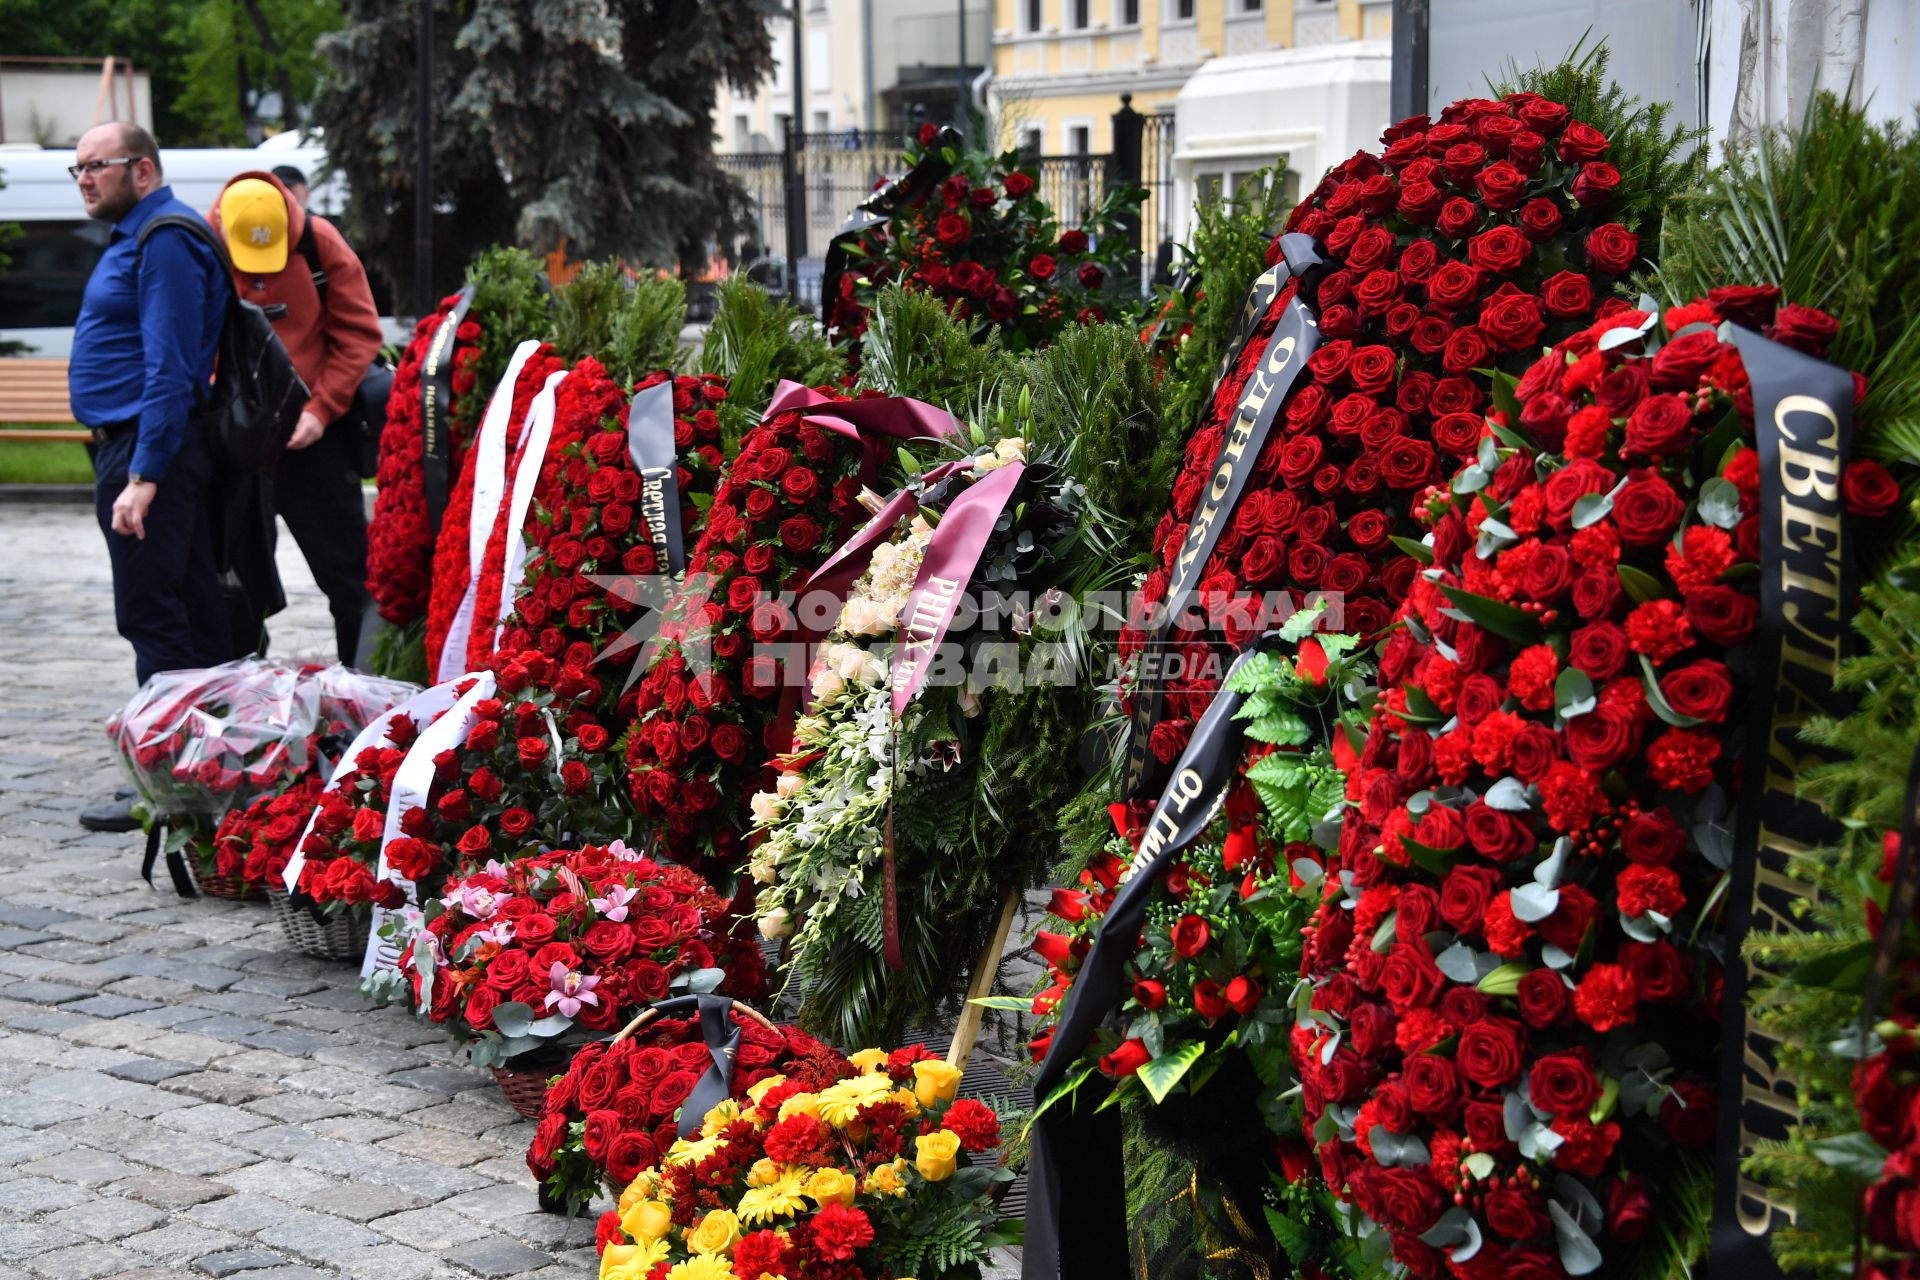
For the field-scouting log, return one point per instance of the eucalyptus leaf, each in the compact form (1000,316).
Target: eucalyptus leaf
(1578,1253)
(1639,928)
(1508,795)
(1719,503)
(1395,1150)
(1591,508)
(1457,963)
(1547,871)
(1534,902)
(513,1018)
(1573,693)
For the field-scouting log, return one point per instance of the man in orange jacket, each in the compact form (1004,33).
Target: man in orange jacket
(298,267)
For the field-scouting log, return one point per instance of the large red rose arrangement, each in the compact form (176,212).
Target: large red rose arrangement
(614,1111)
(589,523)
(341,850)
(1511,955)
(990,248)
(708,701)
(451,559)
(400,537)
(1466,244)
(540,951)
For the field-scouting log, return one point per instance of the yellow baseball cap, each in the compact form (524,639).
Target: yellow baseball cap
(253,214)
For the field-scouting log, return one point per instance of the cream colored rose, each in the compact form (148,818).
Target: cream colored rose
(786,784)
(775,924)
(765,807)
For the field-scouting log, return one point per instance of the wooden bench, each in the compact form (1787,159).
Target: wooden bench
(36,391)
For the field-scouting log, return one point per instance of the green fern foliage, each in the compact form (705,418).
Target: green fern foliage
(510,302)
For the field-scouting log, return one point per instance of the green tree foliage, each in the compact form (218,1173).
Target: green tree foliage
(203,55)
(587,123)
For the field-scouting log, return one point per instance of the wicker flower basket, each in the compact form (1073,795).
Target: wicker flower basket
(218,886)
(340,936)
(525,1086)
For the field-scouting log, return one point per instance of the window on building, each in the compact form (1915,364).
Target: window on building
(1079,139)
(1249,6)
(1079,14)
(742,132)
(1182,10)
(822,121)
(1129,11)
(1030,15)
(1032,140)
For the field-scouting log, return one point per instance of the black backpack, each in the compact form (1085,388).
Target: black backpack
(250,411)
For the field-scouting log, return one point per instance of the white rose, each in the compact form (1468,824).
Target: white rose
(1011,449)
(776,924)
(826,684)
(786,784)
(765,806)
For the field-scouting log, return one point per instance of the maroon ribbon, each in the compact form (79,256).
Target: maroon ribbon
(952,555)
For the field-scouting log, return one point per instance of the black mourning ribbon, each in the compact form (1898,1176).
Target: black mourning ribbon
(916,184)
(176,862)
(1090,1209)
(436,411)
(722,1035)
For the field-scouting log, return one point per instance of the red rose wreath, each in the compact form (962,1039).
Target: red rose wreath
(1511,971)
(1466,244)
(399,537)
(451,561)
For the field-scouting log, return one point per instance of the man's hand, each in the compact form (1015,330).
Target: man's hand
(130,508)
(307,430)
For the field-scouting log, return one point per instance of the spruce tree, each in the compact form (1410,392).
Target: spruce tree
(585,124)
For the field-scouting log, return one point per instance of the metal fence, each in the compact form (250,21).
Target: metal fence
(827,174)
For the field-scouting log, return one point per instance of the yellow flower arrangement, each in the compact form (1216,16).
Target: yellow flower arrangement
(887,1180)
(691,1150)
(646,1220)
(632,1261)
(936,1154)
(781,1198)
(801,1104)
(724,1113)
(718,1232)
(935,1082)
(702,1266)
(839,1104)
(764,1087)
(869,1060)
(832,1186)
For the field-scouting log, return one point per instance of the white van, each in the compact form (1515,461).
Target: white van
(40,292)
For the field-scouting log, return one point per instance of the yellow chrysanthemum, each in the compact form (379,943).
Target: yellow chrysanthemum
(724,1113)
(781,1198)
(869,1060)
(762,1088)
(840,1104)
(632,1261)
(705,1266)
(691,1150)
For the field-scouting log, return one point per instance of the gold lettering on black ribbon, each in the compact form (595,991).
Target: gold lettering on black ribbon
(1802,419)
(436,403)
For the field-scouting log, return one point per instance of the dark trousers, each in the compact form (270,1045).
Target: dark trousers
(167,599)
(317,492)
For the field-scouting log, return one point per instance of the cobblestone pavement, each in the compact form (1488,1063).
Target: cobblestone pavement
(180,1096)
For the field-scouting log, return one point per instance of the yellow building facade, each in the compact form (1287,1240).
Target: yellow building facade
(1060,66)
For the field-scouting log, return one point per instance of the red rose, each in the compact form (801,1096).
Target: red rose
(1501,185)
(1596,184)
(1464,896)
(1581,142)
(1543,999)
(1700,689)
(1751,306)
(1804,329)
(1658,970)
(1208,1001)
(1371,368)
(952,229)
(1561,1083)
(1660,426)
(532,752)
(1457,217)
(1567,294)
(1488,1053)
(1453,286)
(1612,248)
(1041,266)
(1647,511)
(1149,994)
(546,1142)
(1629,1209)
(516,822)
(1540,219)
(1869,489)
(1652,838)
(1406,463)
(1689,1114)
(1497,834)
(1602,737)
(507,970)
(1126,1059)
(1722,615)
(1512,321)
(1190,935)
(1433,1086)
(1018,185)
(1410,979)
(1599,649)
(1500,250)
(1074,241)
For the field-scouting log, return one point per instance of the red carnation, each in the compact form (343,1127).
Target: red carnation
(838,1231)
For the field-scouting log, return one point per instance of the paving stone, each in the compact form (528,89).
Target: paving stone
(87,1167)
(498,1256)
(235,1261)
(295,1108)
(283,1182)
(243,1213)
(30,1111)
(40,1195)
(212,1119)
(181,1241)
(109,1006)
(53,1023)
(318,1236)
(441,1147)
(80,1262)
(432,1229)
(219,1086)
(152,1070)
(46,992)
(359,1202)
(172,1190)
(390,1262)
(20,1240)
(105,1218)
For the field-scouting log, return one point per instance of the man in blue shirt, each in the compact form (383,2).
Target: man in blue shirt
(143,353)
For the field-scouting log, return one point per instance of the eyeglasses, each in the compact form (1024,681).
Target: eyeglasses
(98,166)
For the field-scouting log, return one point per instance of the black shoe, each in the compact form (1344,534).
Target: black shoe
(110,815)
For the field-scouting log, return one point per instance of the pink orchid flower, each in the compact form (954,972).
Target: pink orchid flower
(571,989)
(614,906)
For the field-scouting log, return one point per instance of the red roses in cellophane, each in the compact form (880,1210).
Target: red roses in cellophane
(1466,244)
(1515,985)
(452,563)
(615,1110)
(399,538)
(538,952)
(589,523)
(708,701)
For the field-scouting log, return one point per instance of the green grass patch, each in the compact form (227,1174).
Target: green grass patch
(44,462)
